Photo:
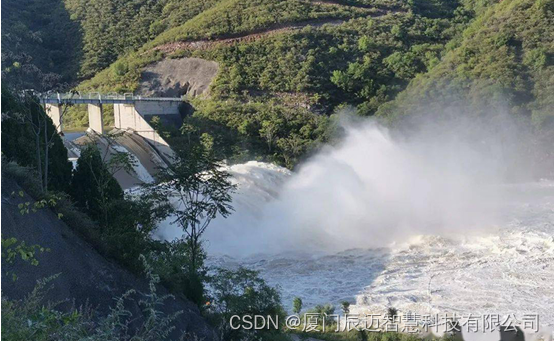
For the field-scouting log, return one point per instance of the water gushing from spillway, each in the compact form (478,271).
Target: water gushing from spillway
(425,223)
(368,192)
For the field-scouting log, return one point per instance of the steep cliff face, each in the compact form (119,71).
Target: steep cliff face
(177,77)
(85,276)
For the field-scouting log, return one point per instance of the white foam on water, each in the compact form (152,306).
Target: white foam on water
(418,225)
(507,270)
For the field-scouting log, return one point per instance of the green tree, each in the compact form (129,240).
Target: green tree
(202,190)
(345,306)
(30,138)
(93,186)
(243,292)
(292,148)
(326,310)
(269,132)
(297,305)
(172,261)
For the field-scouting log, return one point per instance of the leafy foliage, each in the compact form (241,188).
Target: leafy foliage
(345,307)
(26,132)
(259,129)
(34,319)
(93,186)
(13,249)
(173,262)
(200,186)
(112,28)
(297,305)
(232,17)
(40,43)
(242,292)
(501,62)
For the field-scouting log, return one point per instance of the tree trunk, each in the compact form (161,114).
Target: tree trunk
(104,206)
(193,251)
(46,148)
(39,161)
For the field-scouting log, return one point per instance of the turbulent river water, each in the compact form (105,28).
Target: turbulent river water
(383,222)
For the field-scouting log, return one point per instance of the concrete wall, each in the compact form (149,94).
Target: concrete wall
(157,108)
(55,113)
(96,118)
(128,117)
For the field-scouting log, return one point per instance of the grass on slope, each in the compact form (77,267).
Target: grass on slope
(352,61)
(227,17)
(111,28)
(233,17)
(267,91)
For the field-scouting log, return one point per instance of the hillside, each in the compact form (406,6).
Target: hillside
(233,18)
(308,128)
(289,33)
(112,28)
(85,278)
(284,63)
(40,43)
(500,73)
(504,59)
(284,66)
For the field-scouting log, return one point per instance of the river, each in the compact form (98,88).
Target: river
(386,223)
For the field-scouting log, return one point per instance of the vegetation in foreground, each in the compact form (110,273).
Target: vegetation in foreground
(34,318)
(119,227)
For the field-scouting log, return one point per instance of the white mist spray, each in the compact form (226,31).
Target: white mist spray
(369,191)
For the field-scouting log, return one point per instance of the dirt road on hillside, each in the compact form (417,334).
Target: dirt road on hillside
(205,44)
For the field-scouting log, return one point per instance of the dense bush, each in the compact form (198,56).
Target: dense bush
(40,39)
(25,130)
(34,318)
(282,133)
(93,186)
(232,17)
(242,292)
(305,61)
(172,261)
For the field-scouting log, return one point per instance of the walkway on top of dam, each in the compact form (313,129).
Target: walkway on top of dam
(97,98)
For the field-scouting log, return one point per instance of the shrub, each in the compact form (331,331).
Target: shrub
(33,319)
(243,292)
(297,305)
(171,260)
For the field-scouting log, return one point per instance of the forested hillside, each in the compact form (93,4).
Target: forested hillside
(40,43)
(286,65)
(111,28)
(504,59)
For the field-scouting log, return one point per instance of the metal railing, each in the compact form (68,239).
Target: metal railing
(95,97)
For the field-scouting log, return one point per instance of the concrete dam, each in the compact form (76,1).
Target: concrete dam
(132,132)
